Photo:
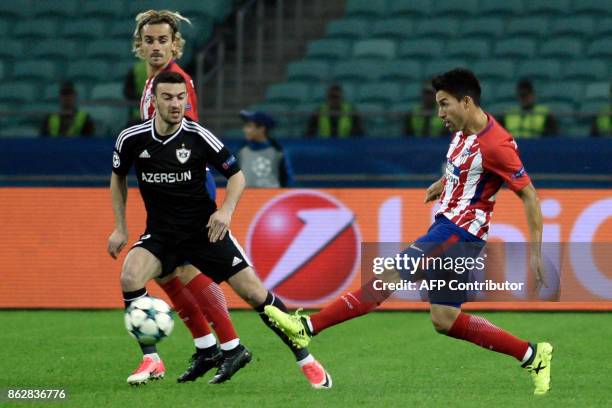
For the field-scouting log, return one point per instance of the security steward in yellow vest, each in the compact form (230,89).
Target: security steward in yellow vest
(335,118)
(602,124)
(133,85)
(423,120)
(529,120)
(69,121)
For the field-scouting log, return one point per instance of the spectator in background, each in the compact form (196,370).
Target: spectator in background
(335,118)
(529,120)
(602,124)
(70,121)
(423,119)
(262,159)
(133,85)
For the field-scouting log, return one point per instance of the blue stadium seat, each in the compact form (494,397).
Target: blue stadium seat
(437,28)
(440,66)
(566,91)
(108,120)
(539,69)
(505,92)
(19,92)
(308,71)
(374,122)
(401,70)
(379,92)
(499,109)
(585,70)
(504,9)
(527,26)
(604,28)
(487,27)
(420,49)
(374,49)
(600,48)
(495,69)
(34,29)
(366,8)
(393,28)
(456,9)
(55,48)
(84,29)
(595,8)
(467,49)
(11,50)
(412,91)
(217,10)
(357,70)
(20,131)
(57,8)
(348,28)
(410,8)
(108,9)
(515,48)
(577,26)
(564,47)
(121,28)
(597,91)
(113,49)
(35,70)
(3,69)
(292,93)
(15,9)
(329,49)
(50,92)
(107,91)
(547,7)
(89,70)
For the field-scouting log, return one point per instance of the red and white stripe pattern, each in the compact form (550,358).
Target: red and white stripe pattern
(477,166)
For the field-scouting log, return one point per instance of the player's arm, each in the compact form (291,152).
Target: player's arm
(219,222)
(434,191)
(119,237)
(531,203)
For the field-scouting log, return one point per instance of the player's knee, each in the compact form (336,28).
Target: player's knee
(441,322)
(130,279)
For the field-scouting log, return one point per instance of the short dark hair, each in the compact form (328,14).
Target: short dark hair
(459,82)
(525,84)
(167,77)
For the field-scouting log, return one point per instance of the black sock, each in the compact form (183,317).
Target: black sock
(128,298)
(207,352)
(271,299)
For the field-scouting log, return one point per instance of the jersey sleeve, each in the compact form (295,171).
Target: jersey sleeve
(123,156)
(191,108)
(219,157)
(503,159)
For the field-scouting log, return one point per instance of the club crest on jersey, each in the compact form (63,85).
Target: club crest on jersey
(183,154)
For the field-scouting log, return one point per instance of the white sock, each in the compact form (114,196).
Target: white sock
(154,356)
(309,323)
(527,355)
(308,359)
(230,345)
(206,341)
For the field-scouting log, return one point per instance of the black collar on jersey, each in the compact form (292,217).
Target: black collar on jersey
(164,139)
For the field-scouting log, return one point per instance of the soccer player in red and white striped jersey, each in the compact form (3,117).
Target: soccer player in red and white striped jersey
(482,156)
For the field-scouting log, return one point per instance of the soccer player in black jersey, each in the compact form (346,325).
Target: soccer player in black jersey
(170,154)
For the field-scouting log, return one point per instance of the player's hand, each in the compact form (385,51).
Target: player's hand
(538,268)
(116,242)
(218,225)
(434,191)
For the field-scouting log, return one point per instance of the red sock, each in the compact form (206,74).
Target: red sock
(480,331)
(354,304)
(187,308)
(212,301)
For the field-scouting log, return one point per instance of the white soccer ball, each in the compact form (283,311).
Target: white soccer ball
(149,320)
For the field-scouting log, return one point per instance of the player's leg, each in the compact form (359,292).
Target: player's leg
(250,288)
(207,354)
(139,267)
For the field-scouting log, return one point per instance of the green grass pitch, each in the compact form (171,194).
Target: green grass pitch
(381,360)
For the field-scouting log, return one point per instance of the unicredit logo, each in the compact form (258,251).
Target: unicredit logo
(305,246)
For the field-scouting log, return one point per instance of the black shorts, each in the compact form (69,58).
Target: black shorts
(219,261)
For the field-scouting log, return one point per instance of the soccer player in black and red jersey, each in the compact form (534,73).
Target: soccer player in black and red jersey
(481,157)
(183,222)
(158,41)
